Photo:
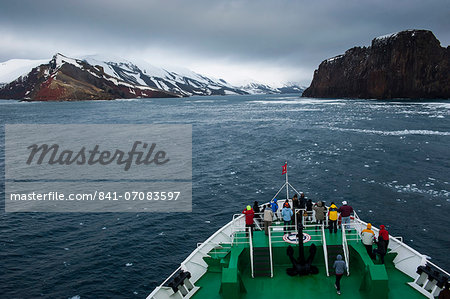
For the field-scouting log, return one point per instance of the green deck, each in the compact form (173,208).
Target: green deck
(229,274)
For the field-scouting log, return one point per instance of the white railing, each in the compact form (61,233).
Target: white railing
(250,241)
(345,248)
(309,214)
(439,268)
(194,263)
(356,216)
(325,250)
(308,228)
(354,226)
(356,236)
(218,248)
(398,238)
(270,252)
(237,226)
(407,259)
(239,220)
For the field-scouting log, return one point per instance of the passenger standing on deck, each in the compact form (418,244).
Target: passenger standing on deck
(296,206)
(332,218)
(249,214)
(295,203)
(367,236)
(346,211)
(275,209)
(302,201)
(382,249)
(268,216)
(309,206)
(319,209)
(385,234)
(287,216)
(256,210)
(340,267)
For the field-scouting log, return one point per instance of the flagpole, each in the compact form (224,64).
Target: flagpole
(287,183)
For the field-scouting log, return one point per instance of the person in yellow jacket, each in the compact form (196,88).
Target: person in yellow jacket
(332,218)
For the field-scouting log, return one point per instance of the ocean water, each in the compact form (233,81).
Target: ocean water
(389,160)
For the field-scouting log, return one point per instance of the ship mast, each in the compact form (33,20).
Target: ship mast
(287,182)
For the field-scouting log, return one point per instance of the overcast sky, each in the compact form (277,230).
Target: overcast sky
(268,41)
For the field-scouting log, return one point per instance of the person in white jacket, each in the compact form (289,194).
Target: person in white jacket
(268,216)
(367,236)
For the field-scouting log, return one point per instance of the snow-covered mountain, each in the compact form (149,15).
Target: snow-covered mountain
(102,77)
(68,79)
(180,81)
(260,88)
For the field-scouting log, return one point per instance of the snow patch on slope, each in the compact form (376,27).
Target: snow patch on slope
(61,59)
(333,59)
(387,36)
(14,68)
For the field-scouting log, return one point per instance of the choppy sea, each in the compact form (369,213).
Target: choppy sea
(389,160)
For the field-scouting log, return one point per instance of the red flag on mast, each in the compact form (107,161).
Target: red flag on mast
(284,168)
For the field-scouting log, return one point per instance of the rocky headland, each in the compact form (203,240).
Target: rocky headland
(408,64)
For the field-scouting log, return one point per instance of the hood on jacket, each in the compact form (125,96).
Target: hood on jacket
(384,233)
(333,206)
(339,257)
(369,226)
(249,208)
(319,203)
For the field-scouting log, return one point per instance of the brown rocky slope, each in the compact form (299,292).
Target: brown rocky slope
(408,64)
(67,79)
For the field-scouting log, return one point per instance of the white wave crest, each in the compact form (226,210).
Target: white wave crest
(202,101)
(301,101)
(413,188)
(394,133)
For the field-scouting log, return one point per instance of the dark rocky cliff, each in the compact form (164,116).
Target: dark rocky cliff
(408,64)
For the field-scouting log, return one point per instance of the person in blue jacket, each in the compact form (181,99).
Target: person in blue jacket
(287,213)
(275,209)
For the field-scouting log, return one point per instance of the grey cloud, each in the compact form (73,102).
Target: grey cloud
(280,32)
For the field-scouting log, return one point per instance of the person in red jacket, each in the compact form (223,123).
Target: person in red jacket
(249,214)
(384,234)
